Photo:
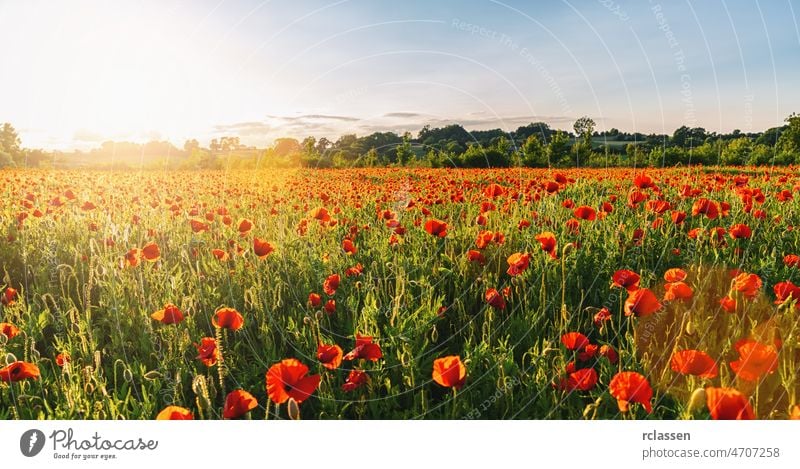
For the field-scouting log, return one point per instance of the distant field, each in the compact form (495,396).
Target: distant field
(399,293)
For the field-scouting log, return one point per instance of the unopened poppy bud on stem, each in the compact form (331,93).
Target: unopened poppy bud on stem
(293,409)
(697,401)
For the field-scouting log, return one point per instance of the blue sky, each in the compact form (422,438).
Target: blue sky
(83,72)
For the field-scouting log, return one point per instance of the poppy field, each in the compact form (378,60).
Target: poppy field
(391,293)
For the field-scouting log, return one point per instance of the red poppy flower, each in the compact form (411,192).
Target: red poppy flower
(588,352)
(151,252)
(495,299)
(585,213)
(705,207)
(728,304)
(330,306)
(436,227)
(641,302)
(475,256)
(9,297)
(321,214)
(244,226)
(657,206)
(694,362)
(677,291)
(517,263)
(262,248)
(635,198)
(198,226)
(584,379)
(494,190)
(329,355)
(228,318)
(573,225)
(574,340)
(365,349)
(740,231)
(747,284)
(18,371)
(449,372)
(677,217)
(675,275)
(791,260)
(484,239)
(173,412)
(354,271)
(331,284)
(290,378)
(238,403)
(629,386)
(643,181)
(170,314)
(349,247)
(62,359)
(601,317)
(220,254)
(355,380)
(755,360)
(786,291)
(314,300)
(609,352)
(9,330)
(548,243)
(132,257)
(626,279)
(728,404)
(207,351)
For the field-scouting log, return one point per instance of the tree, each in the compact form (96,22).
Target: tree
(403,151)
(191,145)
(789,140)
(534,154)
(737,152)
(636,155)
(584,127)
(558,149)
(9,145)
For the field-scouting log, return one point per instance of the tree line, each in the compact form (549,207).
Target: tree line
(533,145)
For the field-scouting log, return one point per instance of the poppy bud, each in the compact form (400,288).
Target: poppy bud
(198,383)
(358,285)
(3,339)
(690,327)
(698,400)
(293,409)
(318,315)
(567,248)
(127,375)
(152,375)
(307,320)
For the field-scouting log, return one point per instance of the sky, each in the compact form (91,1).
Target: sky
(77,73)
